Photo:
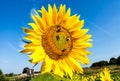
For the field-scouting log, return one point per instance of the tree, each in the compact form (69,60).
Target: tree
(112,61)
(25,70)
(2,76)
(118,60)
(102,63)
(10,74)
(1,72)
(94,64)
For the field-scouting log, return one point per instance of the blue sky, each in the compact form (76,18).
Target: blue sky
(102,17)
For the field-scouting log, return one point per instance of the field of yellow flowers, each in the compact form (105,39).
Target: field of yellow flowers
(104,74)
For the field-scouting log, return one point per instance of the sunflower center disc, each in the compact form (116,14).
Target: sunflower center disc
(57,42)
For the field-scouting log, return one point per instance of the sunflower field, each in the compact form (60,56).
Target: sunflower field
(104,75)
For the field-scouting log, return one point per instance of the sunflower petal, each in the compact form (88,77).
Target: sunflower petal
(75,64)
(83,38)
(54,14)
(79,33)
(82,58)
(47,65)
(31,46)
(32,34)
(36,26)
(50,10)
(65,18)
(61,13)
(39,22)
(77,26)
(82,45)
(72,21)
(27,51)
(38,55)
(66,68)
(81,51)
(57,69)
(45,16)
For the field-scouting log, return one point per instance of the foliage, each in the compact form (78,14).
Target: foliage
(118,60)
(2,76)
(49,77)
(112,61)
(11,74)
(1,72)
(116,76)
(99,64)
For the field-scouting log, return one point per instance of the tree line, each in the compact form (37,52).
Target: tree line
(2,76)
(112,61)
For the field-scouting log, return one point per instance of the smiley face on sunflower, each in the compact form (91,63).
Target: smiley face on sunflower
(58,40)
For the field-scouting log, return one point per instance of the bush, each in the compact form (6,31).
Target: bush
(113,61)
(1,72)
(99,64)
(10,74)
(118,60)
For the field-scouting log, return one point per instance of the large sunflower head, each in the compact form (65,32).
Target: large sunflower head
(58,40)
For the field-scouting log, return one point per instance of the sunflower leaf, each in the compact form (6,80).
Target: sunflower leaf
(49,77)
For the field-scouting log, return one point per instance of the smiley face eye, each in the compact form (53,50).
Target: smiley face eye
(67,39)
(57,37)
(58,30)
(63,50)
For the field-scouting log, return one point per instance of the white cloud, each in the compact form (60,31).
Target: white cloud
(99,28)
(12,46)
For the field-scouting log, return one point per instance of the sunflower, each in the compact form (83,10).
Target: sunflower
(105,75)
(56,39)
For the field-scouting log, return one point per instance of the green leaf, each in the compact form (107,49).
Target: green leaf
(49,77)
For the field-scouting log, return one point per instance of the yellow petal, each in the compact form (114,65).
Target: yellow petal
(57,69)
(67,68)
(30,37)
(75,64)
(31,46)
(50,14)
(31,32)
(76,26)
(54,14)
(82,45)
(45,16)
(39,24)
(72,21)
(38,55)
(33,39)
(79,33)
(27,51)
(61,13)
(82,51)
(36,26)
(82,58)
(65,18)
(42,69)
(83,38)
(47,65)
